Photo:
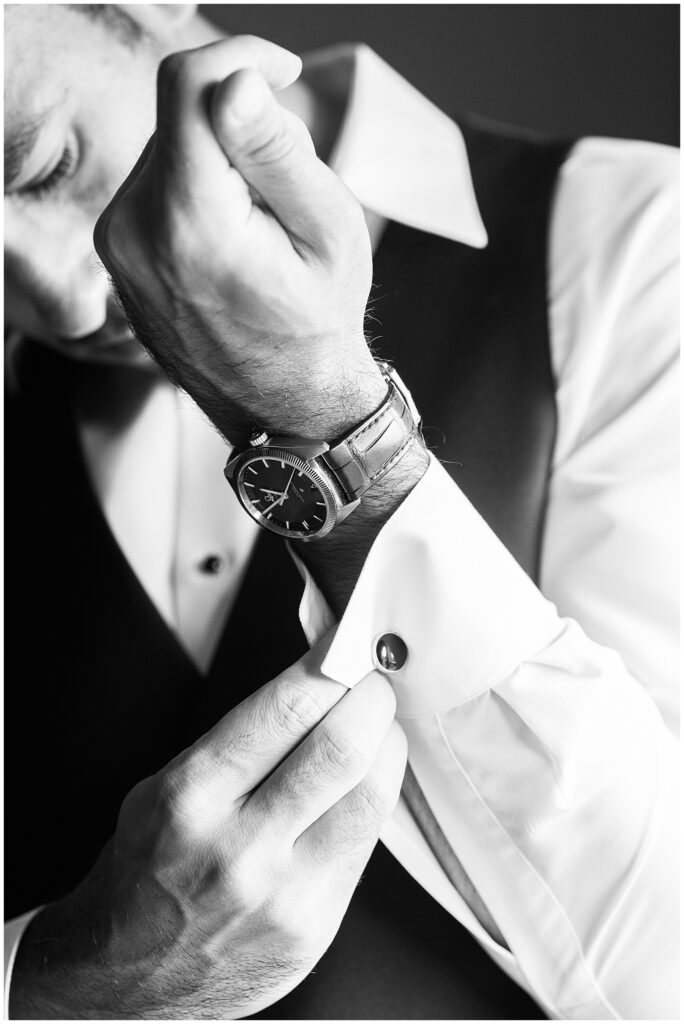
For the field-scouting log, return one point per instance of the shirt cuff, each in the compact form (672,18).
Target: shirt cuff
(440,579)
(14,931)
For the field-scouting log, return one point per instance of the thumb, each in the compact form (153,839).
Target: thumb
(273,152)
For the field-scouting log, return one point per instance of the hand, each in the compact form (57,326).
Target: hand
(230,869)
(243,262)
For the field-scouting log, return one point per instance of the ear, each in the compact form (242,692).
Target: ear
(160,19)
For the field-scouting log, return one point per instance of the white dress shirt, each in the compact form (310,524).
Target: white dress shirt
(540,721)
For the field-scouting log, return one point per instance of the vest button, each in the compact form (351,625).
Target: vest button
(211,565)
(390,653)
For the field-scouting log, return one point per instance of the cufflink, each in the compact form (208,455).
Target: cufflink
(390,653)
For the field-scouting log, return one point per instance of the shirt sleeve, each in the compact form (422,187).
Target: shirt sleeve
(14,931)
(540,725)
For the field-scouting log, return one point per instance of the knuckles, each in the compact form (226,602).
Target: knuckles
(294,709)
(275,145)
(176,74)
(375,797)
(334,751)
(116,237)
(373,800)
(106,237)
(185,801)
(101,236)
(298,919)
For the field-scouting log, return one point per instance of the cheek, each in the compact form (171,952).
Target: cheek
(53,281)
(47,241)
(97,186)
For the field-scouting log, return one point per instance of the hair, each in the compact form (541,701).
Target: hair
(114,19)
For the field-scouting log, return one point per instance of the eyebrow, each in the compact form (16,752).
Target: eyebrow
(20,145)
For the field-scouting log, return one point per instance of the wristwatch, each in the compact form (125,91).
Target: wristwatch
(303,488)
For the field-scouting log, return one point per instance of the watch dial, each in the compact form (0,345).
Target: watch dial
(284,495)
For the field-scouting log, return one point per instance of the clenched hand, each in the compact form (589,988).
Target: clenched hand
(243,262)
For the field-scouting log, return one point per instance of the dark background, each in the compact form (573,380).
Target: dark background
(570,69)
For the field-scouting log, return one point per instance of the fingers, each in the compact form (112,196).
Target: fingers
(328,764)
(264,143)
(217,116)
(348,831)
(251,740)
(184,83)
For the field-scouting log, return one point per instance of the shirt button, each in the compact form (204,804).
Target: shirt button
(390,653)
(212,565)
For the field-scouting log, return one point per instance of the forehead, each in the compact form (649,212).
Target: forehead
(39,37)
(38,41)
(41,60)
(53,47)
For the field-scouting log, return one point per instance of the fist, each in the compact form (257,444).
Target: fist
(242,261)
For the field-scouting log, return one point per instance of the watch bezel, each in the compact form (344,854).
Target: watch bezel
(332,500)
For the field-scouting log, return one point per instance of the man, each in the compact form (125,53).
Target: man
(538,807)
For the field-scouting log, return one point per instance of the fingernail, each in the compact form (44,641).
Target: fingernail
(249,99)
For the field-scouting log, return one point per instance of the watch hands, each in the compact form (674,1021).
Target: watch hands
(282,495)
(287,485)
(278,501)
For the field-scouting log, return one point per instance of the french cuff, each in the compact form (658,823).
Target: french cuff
(438,581)
(12,937)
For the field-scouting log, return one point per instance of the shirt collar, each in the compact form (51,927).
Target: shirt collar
(398,153)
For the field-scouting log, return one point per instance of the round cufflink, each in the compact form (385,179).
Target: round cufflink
(390,653)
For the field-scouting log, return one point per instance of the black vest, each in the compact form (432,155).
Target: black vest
(98,691)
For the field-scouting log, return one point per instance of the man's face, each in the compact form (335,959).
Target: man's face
(79,107)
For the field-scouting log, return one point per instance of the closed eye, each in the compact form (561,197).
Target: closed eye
(63,169)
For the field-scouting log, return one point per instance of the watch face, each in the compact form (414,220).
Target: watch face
(282,492)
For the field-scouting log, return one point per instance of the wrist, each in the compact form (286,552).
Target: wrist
(317,403)
(48,974)
(384,496)
(337,560)
(326,407)
(62,968)
(332,413)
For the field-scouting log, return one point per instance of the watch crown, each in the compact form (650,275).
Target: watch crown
(257,438)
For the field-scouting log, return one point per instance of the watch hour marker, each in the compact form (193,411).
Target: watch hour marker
(248,485)
(321,503)
(287,524)
(317,519)
(265,463)
(305,525)
(282,464)
(251,469)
